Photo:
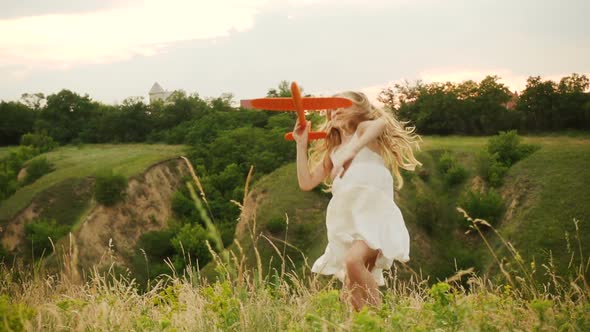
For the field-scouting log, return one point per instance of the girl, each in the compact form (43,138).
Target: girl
(366,230)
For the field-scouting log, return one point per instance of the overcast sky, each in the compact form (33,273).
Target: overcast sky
(112,49)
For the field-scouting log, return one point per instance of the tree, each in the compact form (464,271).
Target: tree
(489,104)
(34,101)
(283,90)
(538,103)
(16,119)
(573,104)
(65,115)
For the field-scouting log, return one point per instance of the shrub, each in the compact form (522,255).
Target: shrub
(484,205)
(13,316)
(36,169)
(496,173)
(190,239)
(426,211)
(39,141)
(8,184)
(446,162)
(508,149)
(490,168)
(182,206)
(109,188)
(157,244)
(17,157)
(455,175)
(39,231)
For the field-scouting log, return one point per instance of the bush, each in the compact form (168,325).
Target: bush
(425,209)
(109,188)
(182,206)
(39,231)
(455,175)
(17,157)
(8,184)
(445,162)
(190,240)
(490,168)
(13,316)
(36,169)
(484,205)
(496,173)
(41,142)
(507,148)
(156,244)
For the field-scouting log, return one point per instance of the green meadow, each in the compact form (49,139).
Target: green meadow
(263,283)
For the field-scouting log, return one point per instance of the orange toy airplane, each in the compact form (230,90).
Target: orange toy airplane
(298,104)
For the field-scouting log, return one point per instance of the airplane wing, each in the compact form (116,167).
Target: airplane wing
(311,135)
(286,104)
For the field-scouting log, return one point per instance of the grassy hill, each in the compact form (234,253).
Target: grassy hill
(73,164)
(547,190)
(542,194)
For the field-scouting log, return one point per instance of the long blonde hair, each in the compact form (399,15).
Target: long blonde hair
(396,143)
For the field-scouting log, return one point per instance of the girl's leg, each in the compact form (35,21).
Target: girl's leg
(360,284)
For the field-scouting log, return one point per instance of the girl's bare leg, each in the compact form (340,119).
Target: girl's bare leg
(360,284)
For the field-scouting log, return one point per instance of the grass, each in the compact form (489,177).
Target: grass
(553,191)
(549,181)
(558,191)
(252,297)
(72,162)
(108,302)
(4,151)
(245,299)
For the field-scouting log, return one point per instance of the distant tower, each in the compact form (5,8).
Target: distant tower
(157,93)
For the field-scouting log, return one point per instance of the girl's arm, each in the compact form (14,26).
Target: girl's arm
(308,180)
(367,131)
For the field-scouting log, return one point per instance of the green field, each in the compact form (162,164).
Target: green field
(85,161)
(553,181)
(279,293)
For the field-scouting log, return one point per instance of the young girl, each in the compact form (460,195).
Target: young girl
(366,230)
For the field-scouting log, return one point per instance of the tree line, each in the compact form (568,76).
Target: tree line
(487,107)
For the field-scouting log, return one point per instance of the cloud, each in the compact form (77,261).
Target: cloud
(119,33)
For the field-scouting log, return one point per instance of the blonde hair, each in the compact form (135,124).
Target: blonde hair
(396,143)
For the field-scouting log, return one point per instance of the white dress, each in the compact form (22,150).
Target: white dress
(362,208)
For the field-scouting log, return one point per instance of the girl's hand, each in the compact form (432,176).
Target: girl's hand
(300,135)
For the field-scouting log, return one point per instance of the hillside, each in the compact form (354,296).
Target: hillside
(65,195)
(542,194)
(72,162)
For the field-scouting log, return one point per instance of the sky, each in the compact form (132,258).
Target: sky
(112,50)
